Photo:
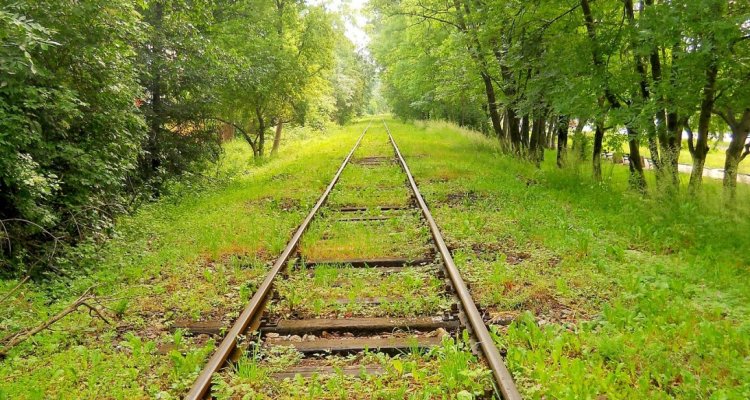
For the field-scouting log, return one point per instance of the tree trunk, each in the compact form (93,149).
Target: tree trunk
(597,154)
(637,178)
(536,147)
(261,142)
(153,161)
(671,145)
(277,137)
(551,135)
(734,154)
(732,162)
(525,139)
(514,130)
(700,149)
(640,69)
(671,137)
(562,139)
(489,90)
(636,166)
(475,51)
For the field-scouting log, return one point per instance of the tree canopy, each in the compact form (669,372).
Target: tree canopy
(635,72)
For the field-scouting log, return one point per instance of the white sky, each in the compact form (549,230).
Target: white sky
(356,22)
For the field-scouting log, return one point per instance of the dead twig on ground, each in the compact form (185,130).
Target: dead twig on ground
(18,338)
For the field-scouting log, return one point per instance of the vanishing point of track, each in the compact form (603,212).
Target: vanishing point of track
(466,312)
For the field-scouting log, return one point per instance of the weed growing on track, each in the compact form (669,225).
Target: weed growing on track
(330,239)
(407,376)
(333,291)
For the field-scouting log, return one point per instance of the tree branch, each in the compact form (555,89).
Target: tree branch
(691,143)
(239,128)
(20,337)
(426,17)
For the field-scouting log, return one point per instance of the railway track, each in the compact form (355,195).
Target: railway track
(273,318)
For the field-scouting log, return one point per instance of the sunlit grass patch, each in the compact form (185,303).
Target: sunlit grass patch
(370,197)
(375,143)
(382,176)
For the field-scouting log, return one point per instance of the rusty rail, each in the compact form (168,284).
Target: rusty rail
(250,318)
(502,376)
(254,309)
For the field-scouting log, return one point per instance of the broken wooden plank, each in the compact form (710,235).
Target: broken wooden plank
(309,371)
(375,324)
(355,345)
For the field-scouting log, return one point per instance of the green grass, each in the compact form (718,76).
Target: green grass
(399,236)
(447,371)
(612,294)
(333,292)
(197,254)
(714,159)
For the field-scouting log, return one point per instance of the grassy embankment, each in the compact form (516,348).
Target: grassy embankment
(612,294)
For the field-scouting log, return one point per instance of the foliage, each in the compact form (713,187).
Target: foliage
(179,72)
(69,130)
(630,68)
(103,105)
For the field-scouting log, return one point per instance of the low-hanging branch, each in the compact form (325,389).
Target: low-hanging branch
(239,128)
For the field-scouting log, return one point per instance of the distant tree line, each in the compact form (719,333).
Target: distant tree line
(102,102)
(641,72)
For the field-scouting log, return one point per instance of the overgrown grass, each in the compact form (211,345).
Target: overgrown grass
(446,371)
(337,291)
(615,295)
(197,254)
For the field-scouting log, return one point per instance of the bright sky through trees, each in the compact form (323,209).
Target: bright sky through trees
(355,19)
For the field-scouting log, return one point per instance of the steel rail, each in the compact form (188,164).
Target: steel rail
(503,378)
(219,358)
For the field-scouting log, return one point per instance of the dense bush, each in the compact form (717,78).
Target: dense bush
(70,132)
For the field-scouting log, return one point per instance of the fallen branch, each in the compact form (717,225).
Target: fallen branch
(20,337)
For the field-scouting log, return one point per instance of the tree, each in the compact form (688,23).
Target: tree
(69,130)
(271,60)
(179,74)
